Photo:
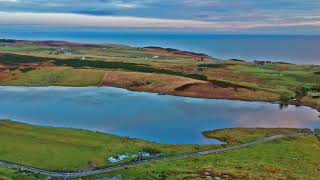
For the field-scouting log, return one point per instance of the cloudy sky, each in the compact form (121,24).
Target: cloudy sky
(302,16)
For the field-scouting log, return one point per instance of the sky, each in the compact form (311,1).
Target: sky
(226,16)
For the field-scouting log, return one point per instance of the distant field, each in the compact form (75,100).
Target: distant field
(26,49)
(56,76)
(76,63)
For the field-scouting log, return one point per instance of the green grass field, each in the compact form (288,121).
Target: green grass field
(293,158)
(68,149)
(12,174)
(243,135)
(56,76)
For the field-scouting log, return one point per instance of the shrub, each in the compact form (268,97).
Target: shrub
(24,70)
(13,68)
(140,83)
(301,92)
(212,65)
(285,97)
(151,150)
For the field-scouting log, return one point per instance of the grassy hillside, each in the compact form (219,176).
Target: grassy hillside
(296,158)
(70,149)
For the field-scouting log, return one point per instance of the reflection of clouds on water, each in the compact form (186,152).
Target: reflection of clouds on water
(250,114)
(167,119)
(290,117)
(214,107)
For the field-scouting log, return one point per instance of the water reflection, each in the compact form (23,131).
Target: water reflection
(165,119)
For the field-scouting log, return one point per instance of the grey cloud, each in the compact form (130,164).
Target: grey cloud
(252,12)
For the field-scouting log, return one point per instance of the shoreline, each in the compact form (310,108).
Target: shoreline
(192,94)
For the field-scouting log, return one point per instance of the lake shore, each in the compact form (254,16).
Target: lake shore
(67,161)
(199,94)
(102,105)
(155,69)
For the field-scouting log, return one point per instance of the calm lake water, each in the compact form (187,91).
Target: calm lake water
(165,119)
(293,49)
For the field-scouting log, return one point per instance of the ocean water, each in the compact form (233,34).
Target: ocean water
(292,49)
(165,119)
